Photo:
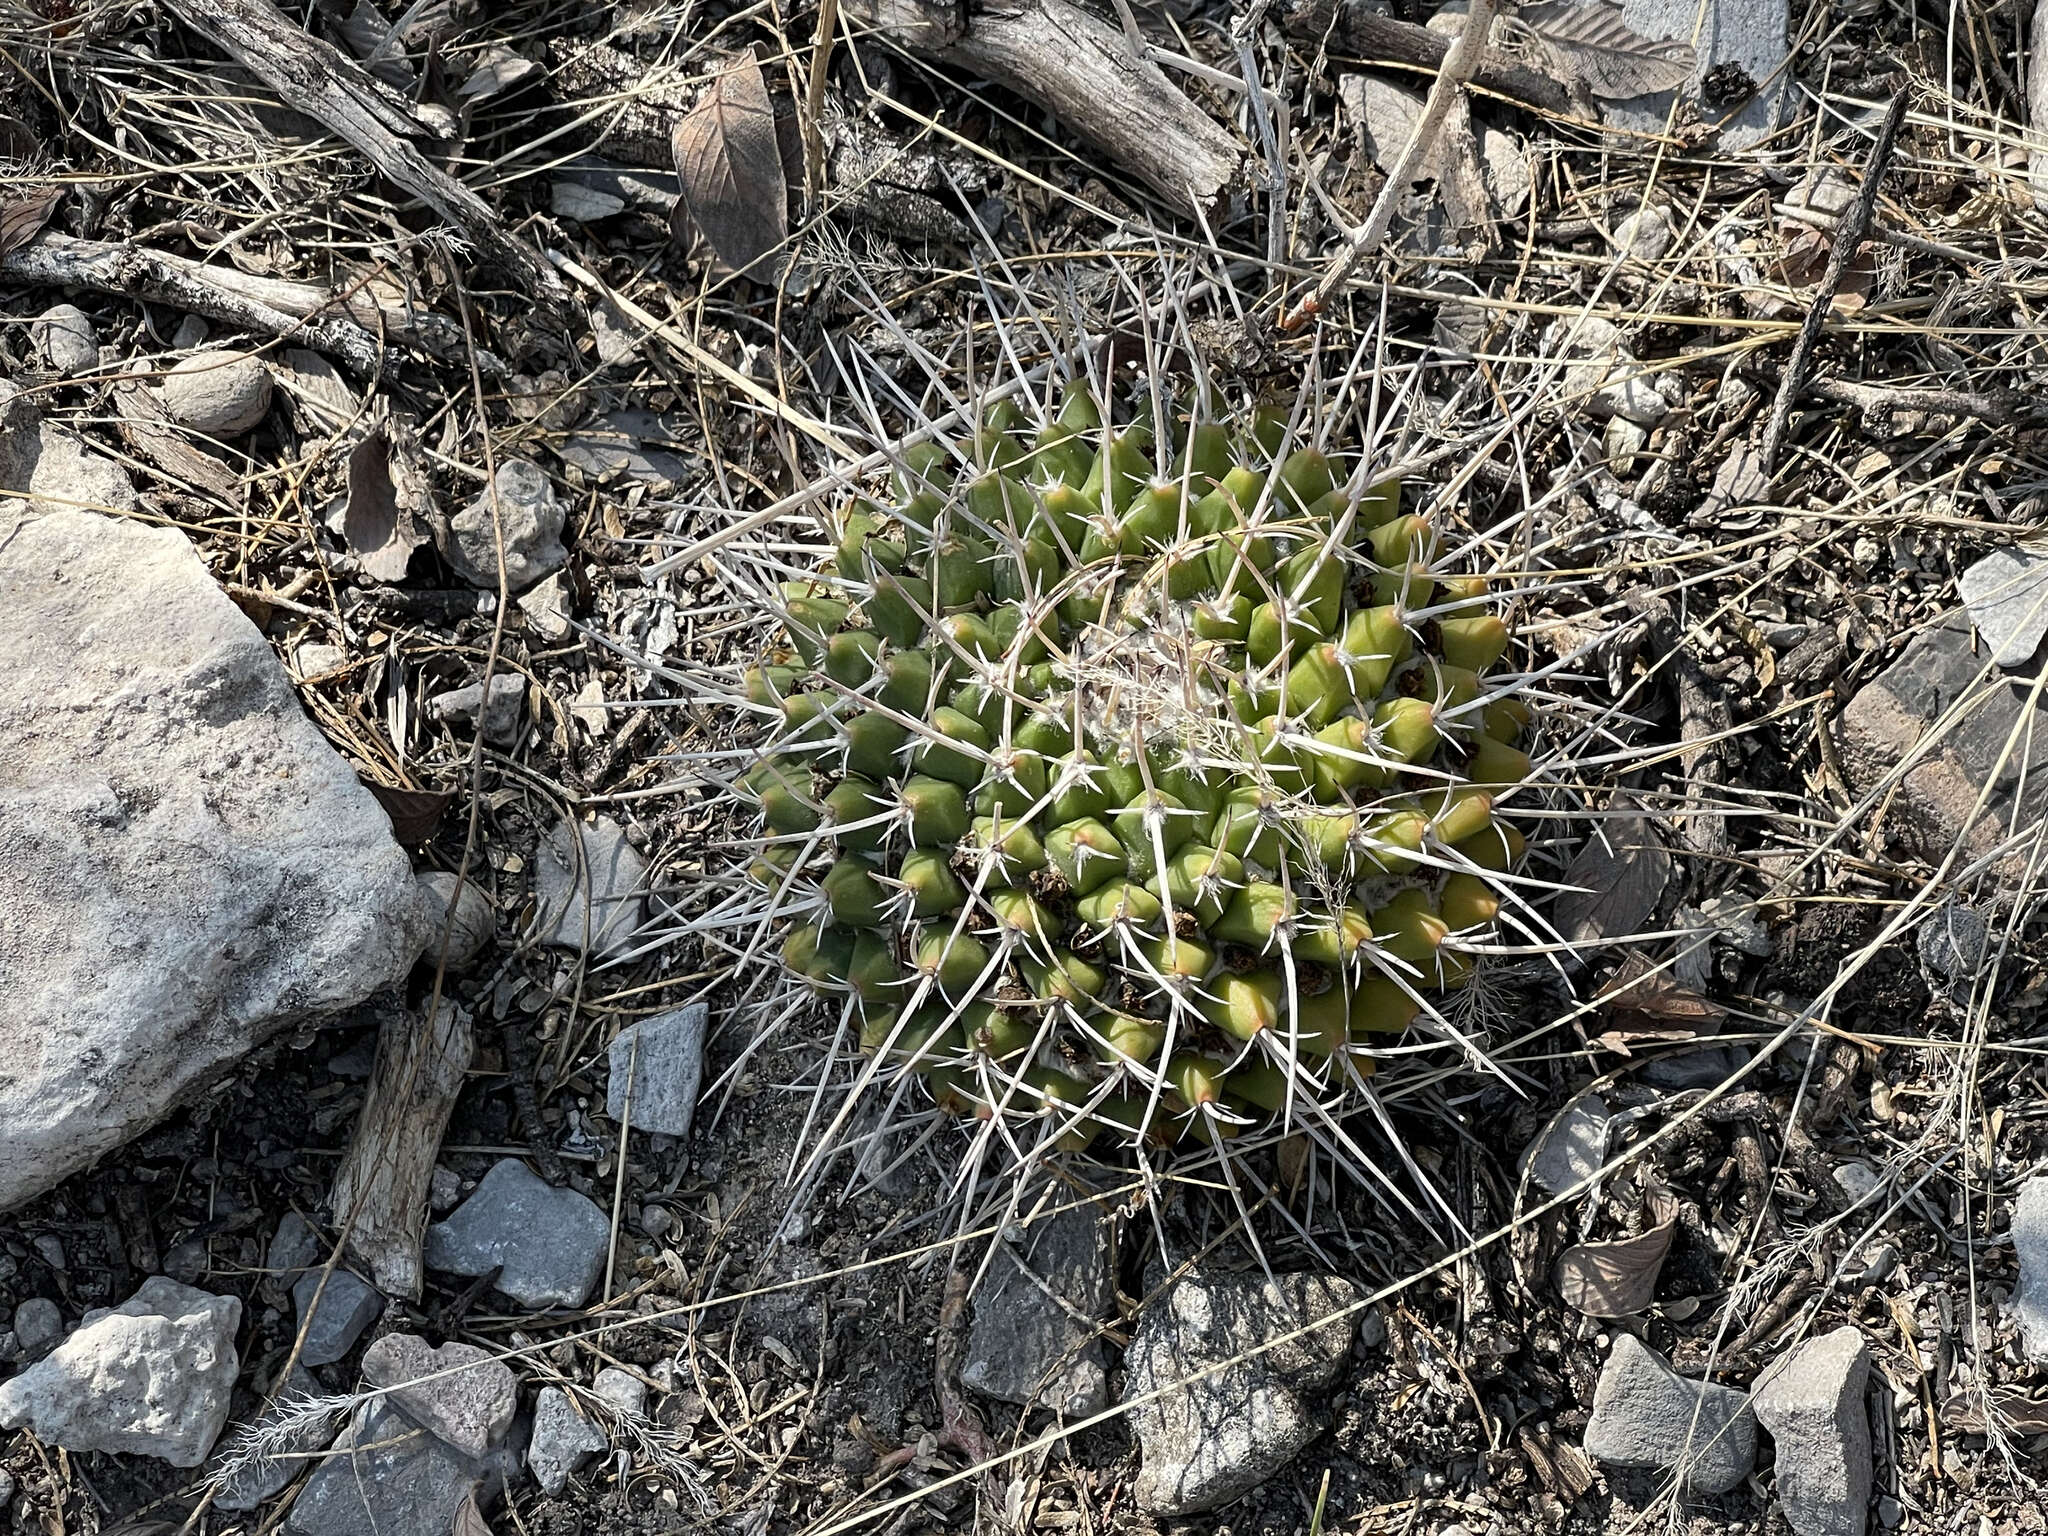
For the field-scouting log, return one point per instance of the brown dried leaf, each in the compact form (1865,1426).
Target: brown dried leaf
(1623,869)
(1588,41)
(731,172)
(469,1520)
(1617,1278)
(372,518)
(1646,1000)
(414,813)
(22,218)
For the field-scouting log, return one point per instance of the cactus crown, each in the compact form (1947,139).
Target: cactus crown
(1137,770)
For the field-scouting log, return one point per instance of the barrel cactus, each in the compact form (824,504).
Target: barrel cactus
(1137,769)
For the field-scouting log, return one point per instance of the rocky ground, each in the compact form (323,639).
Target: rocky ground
(396,1136)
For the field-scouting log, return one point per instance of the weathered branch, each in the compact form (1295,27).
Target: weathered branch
(1082,71)
(1358,29)
(314,77)
(345,326)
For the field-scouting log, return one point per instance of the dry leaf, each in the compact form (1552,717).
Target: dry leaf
(1623,870)
(373,516)
(1649,1001)
(469,1520)
(730,168)
(2016,1413)
(1587,42)
(22,218)
(414,813)
(497,70)
(1614,1279)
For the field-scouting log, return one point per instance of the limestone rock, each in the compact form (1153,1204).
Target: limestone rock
(563,1440)
(186,866)
(528,518)
(65,335)
(460,1392)
(1214,1439)
(1646,1415)
(591,886)
(473,921)
(1032,1338)
(1894,716)
(2030,1245)
(151,1377)
(50,467)
(220,393)
(659,1062)
(1811,1400)
(551,1242)
(2007,595)
(1739,40)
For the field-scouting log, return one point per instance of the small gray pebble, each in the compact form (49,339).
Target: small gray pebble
(38,1326)
(52,1251)
(66,337)
(219,394)
(655,1220)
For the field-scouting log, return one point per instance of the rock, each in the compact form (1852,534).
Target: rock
(444,1188)
(547,607)
(622,1389)
(38,1325)
(1205,1444)
(192,332)
(217,394)
(563,1440)
(1572,1148)
(186,866)
(401,1479)
(2030,1246)
(1743,49)
(6,1491)
(312,659)
(591,886)
(1604,373)
(660,1060)
(1811,1400)
(471,920)
(51,467)
(1032,1338)
(64,335)
(655,1220)
(1857,1180)
(1952,943)
(552,1242)
(151,1377)
(347,1308)
(254,1481)
(2007,595)
(1935,806)
(1646,1415)
(294,1247)
(531,521)
(1645,234)
(622,446)
(468,1397)
(500,715)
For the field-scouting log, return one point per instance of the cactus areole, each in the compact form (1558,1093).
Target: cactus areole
(1135,779)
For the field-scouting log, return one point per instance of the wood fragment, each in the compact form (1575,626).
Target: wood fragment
(380,1191)
(1374,38)
(2001,408)
(1083,72)
(314,77)
(1848,236)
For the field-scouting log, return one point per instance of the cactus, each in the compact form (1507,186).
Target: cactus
(1135,773)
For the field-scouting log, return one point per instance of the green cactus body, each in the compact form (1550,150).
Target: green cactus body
(1130,785)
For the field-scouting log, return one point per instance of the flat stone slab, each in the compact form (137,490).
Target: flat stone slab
(1033,1339)
(551,1242)
(1647,1416)
(186,866)
(1943,693)
(1211,1441)
(657,1065)
(591,886)
(462,1393)
(151,1377)
(387,1475)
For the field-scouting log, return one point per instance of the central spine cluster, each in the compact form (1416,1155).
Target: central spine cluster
(1136,775)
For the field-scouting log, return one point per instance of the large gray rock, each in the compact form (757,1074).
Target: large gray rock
(2030,1247)
(151,1377)
(656,1066)
(186,866)
(1034,1337)
(1207,1443)
(1903,714)
(528,519)
(462,1393)
(1646,1415)
(386,1475)
(551,1242)
(1745,37)
(1811,1400)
